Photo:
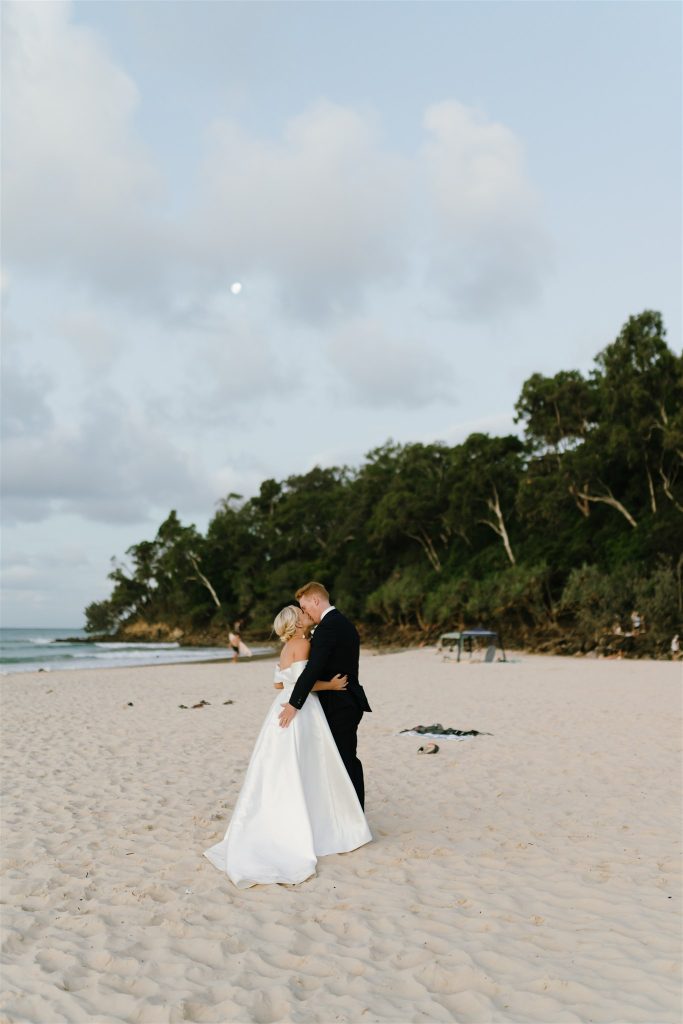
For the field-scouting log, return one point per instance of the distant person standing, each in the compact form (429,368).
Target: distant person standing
(236,642)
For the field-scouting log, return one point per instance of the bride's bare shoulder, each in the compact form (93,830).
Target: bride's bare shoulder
(299,649)
(294,650)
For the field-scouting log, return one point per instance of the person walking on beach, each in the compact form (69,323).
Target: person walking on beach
(236,642)
(335,648)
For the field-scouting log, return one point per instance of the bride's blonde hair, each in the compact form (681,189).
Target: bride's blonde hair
(286,624)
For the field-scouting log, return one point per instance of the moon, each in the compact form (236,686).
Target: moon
(236,287)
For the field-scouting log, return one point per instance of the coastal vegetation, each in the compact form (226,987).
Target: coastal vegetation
(568,537)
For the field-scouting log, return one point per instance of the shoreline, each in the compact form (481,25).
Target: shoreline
(513,654)
(624,645)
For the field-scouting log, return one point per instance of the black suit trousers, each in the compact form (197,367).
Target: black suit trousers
(343,723)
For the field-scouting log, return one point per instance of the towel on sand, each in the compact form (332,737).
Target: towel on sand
(445,734)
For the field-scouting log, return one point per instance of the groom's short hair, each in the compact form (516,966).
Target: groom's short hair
(312,588)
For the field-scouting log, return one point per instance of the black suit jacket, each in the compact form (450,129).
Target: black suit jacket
(335,648)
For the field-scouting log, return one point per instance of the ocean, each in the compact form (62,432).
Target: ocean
(30,650)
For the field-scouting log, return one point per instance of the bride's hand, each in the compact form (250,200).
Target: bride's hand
(339,682)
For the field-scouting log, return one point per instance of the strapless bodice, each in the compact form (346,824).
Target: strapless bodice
(288,676)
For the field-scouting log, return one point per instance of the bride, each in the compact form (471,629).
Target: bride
(297,801)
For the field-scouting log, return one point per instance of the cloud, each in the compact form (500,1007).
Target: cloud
(487,247)
(79,190)
(378,368)
(333,215)
(23,571)
(325,209)
(51,584)
(321,209)
(322,220)
(25,411)
(16,576)
(230,362)
(115,467)
(94,342)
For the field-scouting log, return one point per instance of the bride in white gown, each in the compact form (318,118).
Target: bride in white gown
(297,802)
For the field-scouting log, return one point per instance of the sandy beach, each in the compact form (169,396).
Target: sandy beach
(528,875)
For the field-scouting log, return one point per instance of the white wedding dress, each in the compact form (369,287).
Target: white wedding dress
(297,802)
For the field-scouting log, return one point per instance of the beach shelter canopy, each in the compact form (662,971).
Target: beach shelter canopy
(461,637)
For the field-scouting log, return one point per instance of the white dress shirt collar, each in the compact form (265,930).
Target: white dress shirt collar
(331,608)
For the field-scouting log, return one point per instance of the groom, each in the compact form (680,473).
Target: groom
(335,648)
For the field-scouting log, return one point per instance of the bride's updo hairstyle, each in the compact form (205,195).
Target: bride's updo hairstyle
(285,624)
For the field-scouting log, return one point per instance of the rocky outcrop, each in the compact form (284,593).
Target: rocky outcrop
(161,632)
(143,631)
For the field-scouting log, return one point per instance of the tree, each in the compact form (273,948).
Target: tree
(639,382)
(486,477)
(101,617)
(414,502)
(558,412)
(576,517)
(233,554)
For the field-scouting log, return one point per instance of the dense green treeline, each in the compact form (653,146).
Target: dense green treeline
(555,538)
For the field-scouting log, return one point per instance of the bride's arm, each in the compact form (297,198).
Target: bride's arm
(338,682)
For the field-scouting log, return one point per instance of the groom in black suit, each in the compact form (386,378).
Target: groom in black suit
(335,648)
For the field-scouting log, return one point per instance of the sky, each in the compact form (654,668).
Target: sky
(424,203)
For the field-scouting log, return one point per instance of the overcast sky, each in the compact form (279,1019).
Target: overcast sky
(424,202)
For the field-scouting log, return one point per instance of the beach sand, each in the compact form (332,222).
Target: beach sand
(530,875)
